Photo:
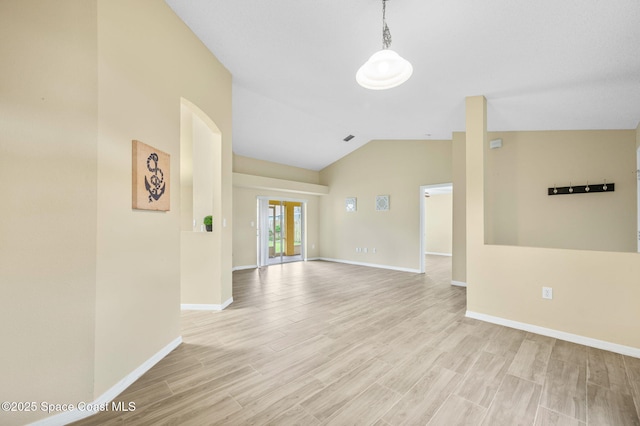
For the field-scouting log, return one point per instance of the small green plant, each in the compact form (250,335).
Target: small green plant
(208,223)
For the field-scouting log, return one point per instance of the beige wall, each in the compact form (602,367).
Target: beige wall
(438,211)
(595,293)
(146,66)
(92,286)
(394,168)
(48,155)
(245,205)
(206,170)
(519,211)
(459,260)
(251,166)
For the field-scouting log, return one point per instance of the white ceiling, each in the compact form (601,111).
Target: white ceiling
(542,65)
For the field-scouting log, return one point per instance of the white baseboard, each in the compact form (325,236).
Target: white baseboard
(438,254)
(205,307)
(105,399)
(458,283)
(241,268)
(371,265)
(562,335)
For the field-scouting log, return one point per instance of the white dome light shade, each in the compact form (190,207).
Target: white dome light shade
(384,69)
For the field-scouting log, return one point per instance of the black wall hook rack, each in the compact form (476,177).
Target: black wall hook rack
(582,189)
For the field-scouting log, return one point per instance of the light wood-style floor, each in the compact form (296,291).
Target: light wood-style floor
(314,343)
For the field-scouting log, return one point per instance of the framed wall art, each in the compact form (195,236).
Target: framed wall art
(382,202)
(151,178)
(351,204)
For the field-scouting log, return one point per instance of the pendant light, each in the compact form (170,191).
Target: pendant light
(384,69)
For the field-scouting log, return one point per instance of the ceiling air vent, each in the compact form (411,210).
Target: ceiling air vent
(348,138)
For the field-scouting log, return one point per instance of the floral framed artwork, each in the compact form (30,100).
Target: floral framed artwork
(150,178)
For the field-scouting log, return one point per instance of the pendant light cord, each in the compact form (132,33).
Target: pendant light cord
(386,34)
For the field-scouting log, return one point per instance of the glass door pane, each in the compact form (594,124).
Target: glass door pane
(276,232)
(297,230)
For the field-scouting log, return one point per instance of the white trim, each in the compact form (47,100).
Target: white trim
(437,254)
(275,198)
(422,230)
(313,258)
(205,307)
(242,268)
(262,235)
(104,399)
(440,188)
(638,188)
(371,265)
(458,283)
(562,335)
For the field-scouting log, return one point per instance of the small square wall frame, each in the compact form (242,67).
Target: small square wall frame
(351,204)
(382,202)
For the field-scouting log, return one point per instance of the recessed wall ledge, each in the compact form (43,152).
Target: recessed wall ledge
(242,180)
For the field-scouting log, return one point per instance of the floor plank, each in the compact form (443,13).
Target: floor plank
(546,417)
(607,369)
(531,360)
(458,411)
(632,366)
(609,407)
(484,379)
(569,352)
(565,389)
(515,403)
(365,408)
(326,402)
(420,404)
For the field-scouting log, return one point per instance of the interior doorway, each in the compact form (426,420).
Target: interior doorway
(436,222)
(280,230)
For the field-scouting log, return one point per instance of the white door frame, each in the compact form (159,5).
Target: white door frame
(423,189)
(262,248)
(262,223)
(638,201)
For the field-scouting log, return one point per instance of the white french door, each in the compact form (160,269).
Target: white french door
(280,230)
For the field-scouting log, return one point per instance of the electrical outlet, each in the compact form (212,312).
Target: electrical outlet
(547,293)
(357,249)
(373,250)
(365,250)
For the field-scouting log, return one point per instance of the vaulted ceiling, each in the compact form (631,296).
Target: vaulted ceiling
(542,65)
